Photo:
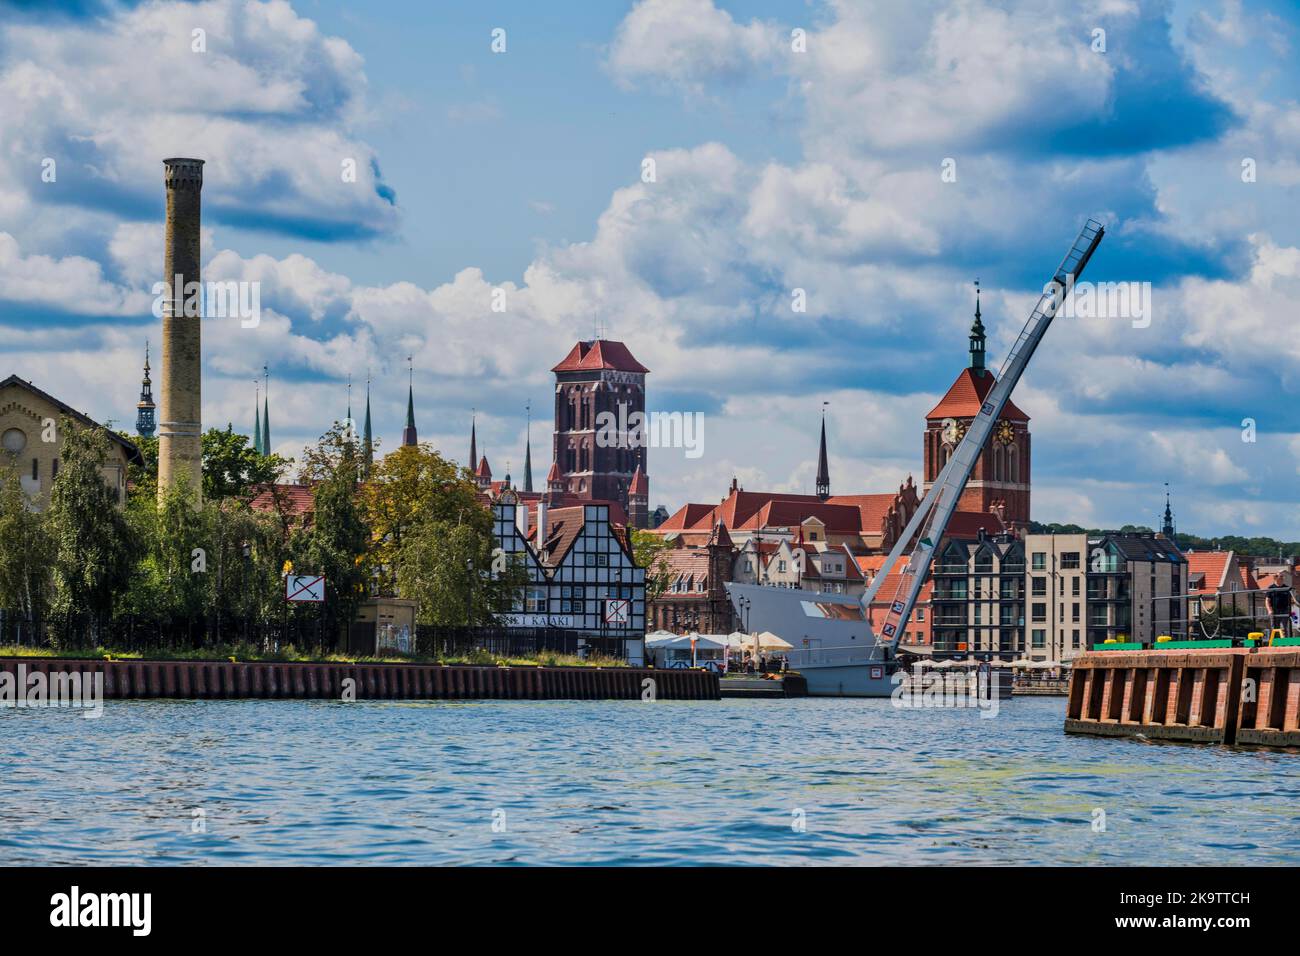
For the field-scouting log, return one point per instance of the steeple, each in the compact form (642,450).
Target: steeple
(1168,528)
(977,335)
(257,418)
(266,412)
(409,436)
(823,470)
(146,422)
(351,428)
(528,449)
(473,440)
(367,442)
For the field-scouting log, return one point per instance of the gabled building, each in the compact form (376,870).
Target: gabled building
(31,441)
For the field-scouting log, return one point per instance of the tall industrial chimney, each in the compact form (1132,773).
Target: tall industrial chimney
(180,430)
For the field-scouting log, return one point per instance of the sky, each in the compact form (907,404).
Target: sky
(783,160)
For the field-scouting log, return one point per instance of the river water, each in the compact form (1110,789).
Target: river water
(731,782)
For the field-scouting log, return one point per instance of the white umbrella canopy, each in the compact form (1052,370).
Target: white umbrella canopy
(1022,662)
(770,642)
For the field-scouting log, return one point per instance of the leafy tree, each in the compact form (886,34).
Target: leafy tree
(650,551)
(457,575)
(231,469)
(335,542)
(411,487)
(25,552)
(91,540)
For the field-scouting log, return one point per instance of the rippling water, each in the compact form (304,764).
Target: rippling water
(320,782)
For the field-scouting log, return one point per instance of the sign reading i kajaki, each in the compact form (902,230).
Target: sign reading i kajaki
(304,587)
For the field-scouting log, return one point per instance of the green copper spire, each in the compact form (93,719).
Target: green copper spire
(409,436)
(257,426)
(977,335)
(266,413)
(367,443)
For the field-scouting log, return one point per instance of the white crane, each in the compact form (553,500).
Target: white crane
(932,515)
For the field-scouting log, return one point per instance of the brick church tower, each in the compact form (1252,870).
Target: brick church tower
(599,377)
(1000,481)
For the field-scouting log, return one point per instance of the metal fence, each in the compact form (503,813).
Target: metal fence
(135,634)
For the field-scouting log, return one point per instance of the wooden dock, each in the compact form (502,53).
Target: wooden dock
(1244,695)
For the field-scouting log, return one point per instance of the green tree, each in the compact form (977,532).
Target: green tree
(650,551)
(409,488)
(24,552)
(231,469)
(457,575)
(91,540)
(335,543)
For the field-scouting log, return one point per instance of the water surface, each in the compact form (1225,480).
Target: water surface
(556,782)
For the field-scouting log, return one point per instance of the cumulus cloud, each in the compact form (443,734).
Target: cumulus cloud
(269,102)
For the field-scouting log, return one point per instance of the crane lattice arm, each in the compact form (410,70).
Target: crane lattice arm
(932,515)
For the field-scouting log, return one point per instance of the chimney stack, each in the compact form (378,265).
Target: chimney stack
(180,429)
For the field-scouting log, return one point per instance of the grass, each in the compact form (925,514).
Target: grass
(290,654)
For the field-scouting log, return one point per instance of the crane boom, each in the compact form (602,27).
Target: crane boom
(932,515)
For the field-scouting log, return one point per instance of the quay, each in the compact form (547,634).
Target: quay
(1215,694)
(787,685)
(273,679)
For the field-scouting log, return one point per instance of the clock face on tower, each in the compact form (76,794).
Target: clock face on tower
(1005,432)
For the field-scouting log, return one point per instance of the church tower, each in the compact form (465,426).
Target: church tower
(409,436)
(999,482)
(1167,529)
(598,383)
(145,422)
(180,430)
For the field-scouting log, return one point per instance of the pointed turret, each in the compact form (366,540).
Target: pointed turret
(483,474)
(977,335)
(257,427)
(473,439)
(367,442)
(409,435)
(146,421)
(528,450)
(554,484)
(638,499)
(823,469)
(1167,529)
(266,411)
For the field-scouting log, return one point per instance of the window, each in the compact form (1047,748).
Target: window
(36,473)
(1075,638)
(1074,613)
(920,614)
(13,441)
(1039,561)
(1039,586)
(749,566)
(1039,637)
(1074,587)
(780,565)
(1070,560)
(1039,611)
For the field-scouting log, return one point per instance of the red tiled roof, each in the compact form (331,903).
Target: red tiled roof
(484,470)
(967,395)
(599,354)
(872,509)
(640,484)
(1210,566)
(290,499)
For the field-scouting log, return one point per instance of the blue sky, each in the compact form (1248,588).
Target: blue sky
(776,169)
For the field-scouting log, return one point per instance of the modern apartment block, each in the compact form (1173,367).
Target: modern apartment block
(1132,580)
(1050,597)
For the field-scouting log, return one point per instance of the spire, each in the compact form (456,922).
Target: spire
(1168,528)
(367,443)
(409,436)
(257,419)
(146,422)
(266,412)
(473,439)
(349,418)
(823,470)
(528,448)
(977,335)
